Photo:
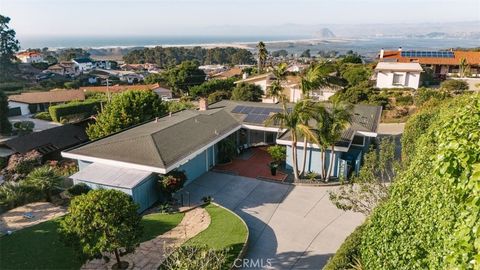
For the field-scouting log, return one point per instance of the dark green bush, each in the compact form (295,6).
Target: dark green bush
(87,108)
(348,252)
(79,189)
(11,86)
(454,85)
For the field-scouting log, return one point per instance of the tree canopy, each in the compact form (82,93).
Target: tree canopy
(184,76)
(247,92)
(211,86)
(5,125)
(166,57)
(9,45)
(125,110)
(102,221)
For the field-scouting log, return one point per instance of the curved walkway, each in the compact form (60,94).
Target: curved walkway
(150,254)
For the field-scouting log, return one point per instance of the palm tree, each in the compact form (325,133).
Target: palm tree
(339,117)
(464,68)
(275,90)
(44,179)
(292,120)
(312,110)
(262,56)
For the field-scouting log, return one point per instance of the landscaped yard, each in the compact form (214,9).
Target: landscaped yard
(226,230)
(39,246)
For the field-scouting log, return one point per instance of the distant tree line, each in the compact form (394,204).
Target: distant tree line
(165,57)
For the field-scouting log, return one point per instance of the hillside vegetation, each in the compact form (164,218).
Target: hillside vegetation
(432,217)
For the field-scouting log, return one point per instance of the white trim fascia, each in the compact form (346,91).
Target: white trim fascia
(368,134)
(116,163)
(270,129)
(312,145)
(197,152)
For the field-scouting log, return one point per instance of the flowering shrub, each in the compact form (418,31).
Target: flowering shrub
(173,181)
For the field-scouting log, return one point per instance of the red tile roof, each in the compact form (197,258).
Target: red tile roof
(54,96)
(28,54)
(121,88)
(473,58)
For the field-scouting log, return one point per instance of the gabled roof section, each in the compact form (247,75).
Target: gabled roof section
(49,140)
(55,96)
(163,142)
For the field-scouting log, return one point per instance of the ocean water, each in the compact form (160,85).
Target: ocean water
(294,44)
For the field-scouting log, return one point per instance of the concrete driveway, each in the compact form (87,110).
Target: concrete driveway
(291,227)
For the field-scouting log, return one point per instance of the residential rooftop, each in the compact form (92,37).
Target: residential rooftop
(424,57)
(170,141)
(53,96)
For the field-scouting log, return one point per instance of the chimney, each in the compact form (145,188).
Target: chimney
(399,49)
(244,75)
(382,52)
(202,104)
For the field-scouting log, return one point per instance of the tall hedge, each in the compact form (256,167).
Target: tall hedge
(432,219)
(87,108)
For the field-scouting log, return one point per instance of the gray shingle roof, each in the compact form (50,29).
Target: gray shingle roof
(49,140)
(164,142)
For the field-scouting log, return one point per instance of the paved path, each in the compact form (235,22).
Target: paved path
(391,128)
(150,254)
(292,227)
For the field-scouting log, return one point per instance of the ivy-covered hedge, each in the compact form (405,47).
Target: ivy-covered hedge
(432,218)
(348,253)
(86,108)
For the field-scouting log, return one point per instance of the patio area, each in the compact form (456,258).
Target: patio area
(252,163)
(29,215)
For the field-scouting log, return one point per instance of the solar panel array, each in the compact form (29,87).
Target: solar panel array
(434,54)
(256,115)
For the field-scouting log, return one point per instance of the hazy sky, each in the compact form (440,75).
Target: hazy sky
(171,17)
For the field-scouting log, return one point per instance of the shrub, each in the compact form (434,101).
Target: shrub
(24,127)
(348,252)
(45,179)
(431,220)
(226,150)
(78,189)
(404,100)
(14,194)
(40,65)
(196,257)
(43,116)
(175,106)
(172,182)
(86,108)
(278,153)
(423,95)
(454,85)
(23,163)
(11,86)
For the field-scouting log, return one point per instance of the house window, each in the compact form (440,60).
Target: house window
(358,140)
(397,79)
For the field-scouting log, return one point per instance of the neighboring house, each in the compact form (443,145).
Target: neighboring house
(49,143)
(188,140)
(296,68)
(122,88)
(64,68)
(29,103)
(163,93)
(398,75)
(103,64)
(30,57)
(84,64)
(444,63)
(130,77)
(264,81)
(233,72)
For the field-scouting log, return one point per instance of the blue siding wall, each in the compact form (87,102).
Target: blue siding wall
(195,167)
(314,160)
(146,193)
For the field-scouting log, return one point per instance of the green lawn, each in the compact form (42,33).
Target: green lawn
(226,230)
(39,246)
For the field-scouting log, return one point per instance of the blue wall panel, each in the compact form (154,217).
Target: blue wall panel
(146,193)
(195,167)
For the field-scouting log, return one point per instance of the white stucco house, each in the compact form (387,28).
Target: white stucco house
(30,57)
(398,75)
(83,64)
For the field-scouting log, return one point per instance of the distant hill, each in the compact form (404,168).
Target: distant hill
(324,33)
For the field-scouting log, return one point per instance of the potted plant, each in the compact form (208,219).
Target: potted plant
(273,168)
